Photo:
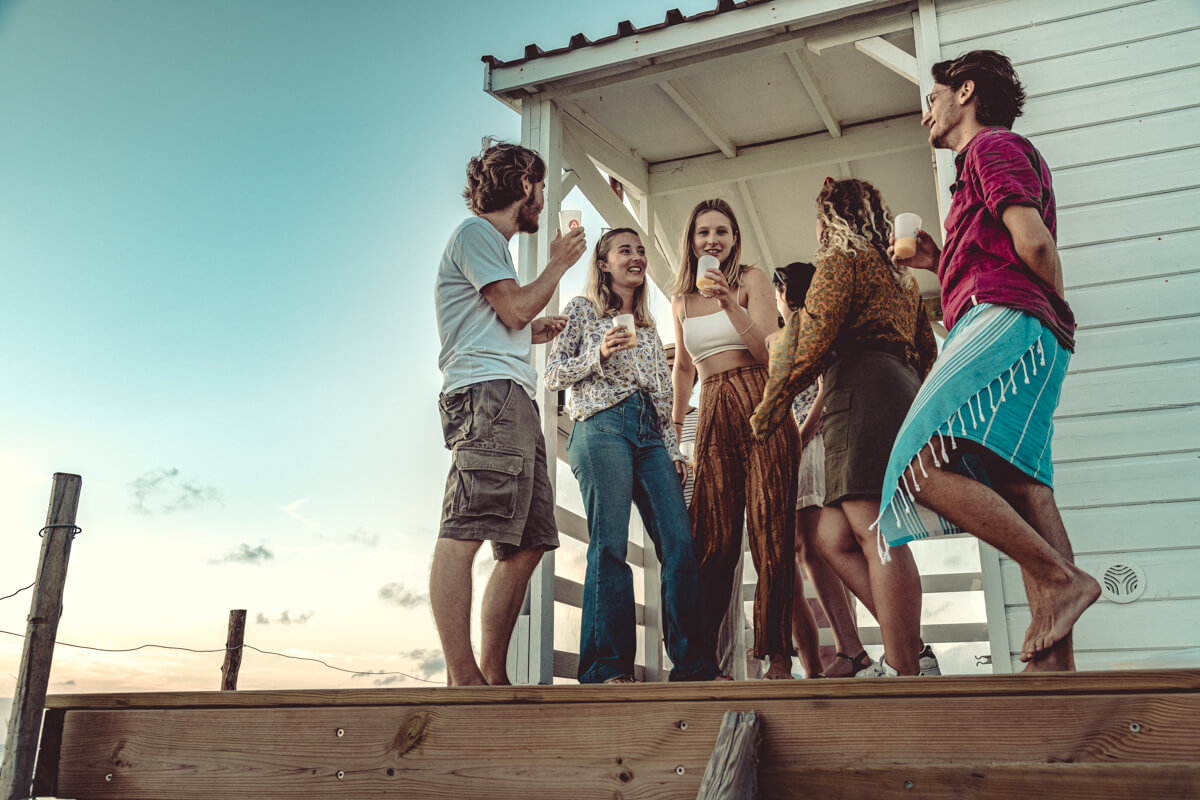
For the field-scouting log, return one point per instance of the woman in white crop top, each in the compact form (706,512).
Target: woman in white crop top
(721,331)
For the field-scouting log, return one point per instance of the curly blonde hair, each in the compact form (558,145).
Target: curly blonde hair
(598,288)
(494,176)
(854,217)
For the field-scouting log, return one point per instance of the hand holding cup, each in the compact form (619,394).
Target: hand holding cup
(621,336)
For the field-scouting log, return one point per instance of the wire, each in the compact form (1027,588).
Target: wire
(18,591)
(222,650)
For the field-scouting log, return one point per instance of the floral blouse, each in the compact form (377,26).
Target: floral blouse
(854,296)
(574,361)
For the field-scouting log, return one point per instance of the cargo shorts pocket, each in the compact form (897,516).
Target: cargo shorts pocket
(487,482)
(835,421)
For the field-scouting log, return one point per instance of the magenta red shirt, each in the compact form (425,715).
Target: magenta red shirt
(979,264)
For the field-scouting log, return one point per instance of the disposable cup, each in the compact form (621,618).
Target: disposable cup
(687,450)
(628,322)
(705,263)
(569,220)
(906,227)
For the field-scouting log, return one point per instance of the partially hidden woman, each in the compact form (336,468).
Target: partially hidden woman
(865,327)
(814,521)
(623,450)
(721,332)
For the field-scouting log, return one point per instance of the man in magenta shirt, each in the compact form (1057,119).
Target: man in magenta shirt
(1002,298)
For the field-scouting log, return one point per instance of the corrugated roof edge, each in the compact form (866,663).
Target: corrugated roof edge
(625,28)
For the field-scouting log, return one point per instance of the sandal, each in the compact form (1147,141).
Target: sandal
(622,679)
(857,664)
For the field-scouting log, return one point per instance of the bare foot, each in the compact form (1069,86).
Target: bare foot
(781,669)
(1056,610)
(1059,658)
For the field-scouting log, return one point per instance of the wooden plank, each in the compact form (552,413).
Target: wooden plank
(1133,528)
(1131,258)
(1118,481)
(1137,301)
(1109,64)
(1130,389)
(1114,26)
(963,20)
(648,749)
(1132,682)
(1133,626)
(570,593)
(732,771)
(1155,215)
(1128,177)
(986,780)
(1125,138)
(1175,658)
(1126,99)
(571,524)
(1157,342)
(1170,575)
(1123,435)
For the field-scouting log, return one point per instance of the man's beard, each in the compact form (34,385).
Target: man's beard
(527,216)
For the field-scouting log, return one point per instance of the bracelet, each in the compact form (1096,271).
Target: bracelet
(677,422)
(748,327)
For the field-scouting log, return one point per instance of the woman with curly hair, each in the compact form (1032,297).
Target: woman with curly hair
(720,331)
(863,325)
(623,450)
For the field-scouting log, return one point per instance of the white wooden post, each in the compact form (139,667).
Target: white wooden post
(541,130)
(652,645)
(929,52)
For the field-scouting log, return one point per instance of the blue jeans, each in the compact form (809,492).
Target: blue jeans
(619,458)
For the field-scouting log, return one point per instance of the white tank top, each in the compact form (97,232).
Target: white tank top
(710,334)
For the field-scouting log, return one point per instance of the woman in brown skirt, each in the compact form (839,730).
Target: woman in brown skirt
(720,330)
(865,327)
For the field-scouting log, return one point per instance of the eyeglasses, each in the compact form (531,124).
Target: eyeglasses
(929,98)
(779,277)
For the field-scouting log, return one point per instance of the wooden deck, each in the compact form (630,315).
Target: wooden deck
(1085,735)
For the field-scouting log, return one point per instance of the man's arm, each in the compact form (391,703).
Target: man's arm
(1034,244)
(518,305)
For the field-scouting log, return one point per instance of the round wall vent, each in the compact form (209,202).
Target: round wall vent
(1122,582)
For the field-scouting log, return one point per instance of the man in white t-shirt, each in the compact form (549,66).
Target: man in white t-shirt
(498,489)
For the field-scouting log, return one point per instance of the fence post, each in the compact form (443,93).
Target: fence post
(233,649)
(45,609)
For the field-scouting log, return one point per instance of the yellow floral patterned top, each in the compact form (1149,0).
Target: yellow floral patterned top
(854,297)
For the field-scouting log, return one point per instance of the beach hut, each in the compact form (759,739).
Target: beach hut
(759,102)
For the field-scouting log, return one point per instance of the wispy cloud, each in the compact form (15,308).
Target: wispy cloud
(245,554)
(163,491)
(429,663)
(364,537)
(285,618)
(402,596)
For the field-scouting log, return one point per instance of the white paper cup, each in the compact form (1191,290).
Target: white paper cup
(569,220)
(687,450)
(628,321)
(906,227)
(703,264)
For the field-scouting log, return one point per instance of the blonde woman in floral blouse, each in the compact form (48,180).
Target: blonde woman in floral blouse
(622,450)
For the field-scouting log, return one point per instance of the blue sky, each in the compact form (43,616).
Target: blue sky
(219,224)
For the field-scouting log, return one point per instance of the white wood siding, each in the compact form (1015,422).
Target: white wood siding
(1114,106)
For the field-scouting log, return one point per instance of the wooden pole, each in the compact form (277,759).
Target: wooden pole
(233,650)
(24,725)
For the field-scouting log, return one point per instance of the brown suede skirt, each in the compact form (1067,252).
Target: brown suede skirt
(867,395)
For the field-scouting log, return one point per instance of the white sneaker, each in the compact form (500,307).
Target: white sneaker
(879,669)
(928,664)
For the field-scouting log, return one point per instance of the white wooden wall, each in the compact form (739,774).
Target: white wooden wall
(1114,107)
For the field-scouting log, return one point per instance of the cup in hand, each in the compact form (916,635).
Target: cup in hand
(705,263)
(627,321)
(906,227)
(569,220)
(688,451)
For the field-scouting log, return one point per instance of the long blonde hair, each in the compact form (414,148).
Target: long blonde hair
(731,268)
(599,290)
(854,217)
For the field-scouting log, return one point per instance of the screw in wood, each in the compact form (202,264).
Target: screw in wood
(341,732)
(1135,727)
(908,784)
(683,724)
(680,770)
(108,777)
(340,774)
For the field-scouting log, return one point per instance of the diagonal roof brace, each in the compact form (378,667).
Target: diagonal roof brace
(890,56)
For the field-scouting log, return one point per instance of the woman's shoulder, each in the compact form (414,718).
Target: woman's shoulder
(581,306)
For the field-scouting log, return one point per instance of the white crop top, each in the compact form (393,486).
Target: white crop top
(710,334)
